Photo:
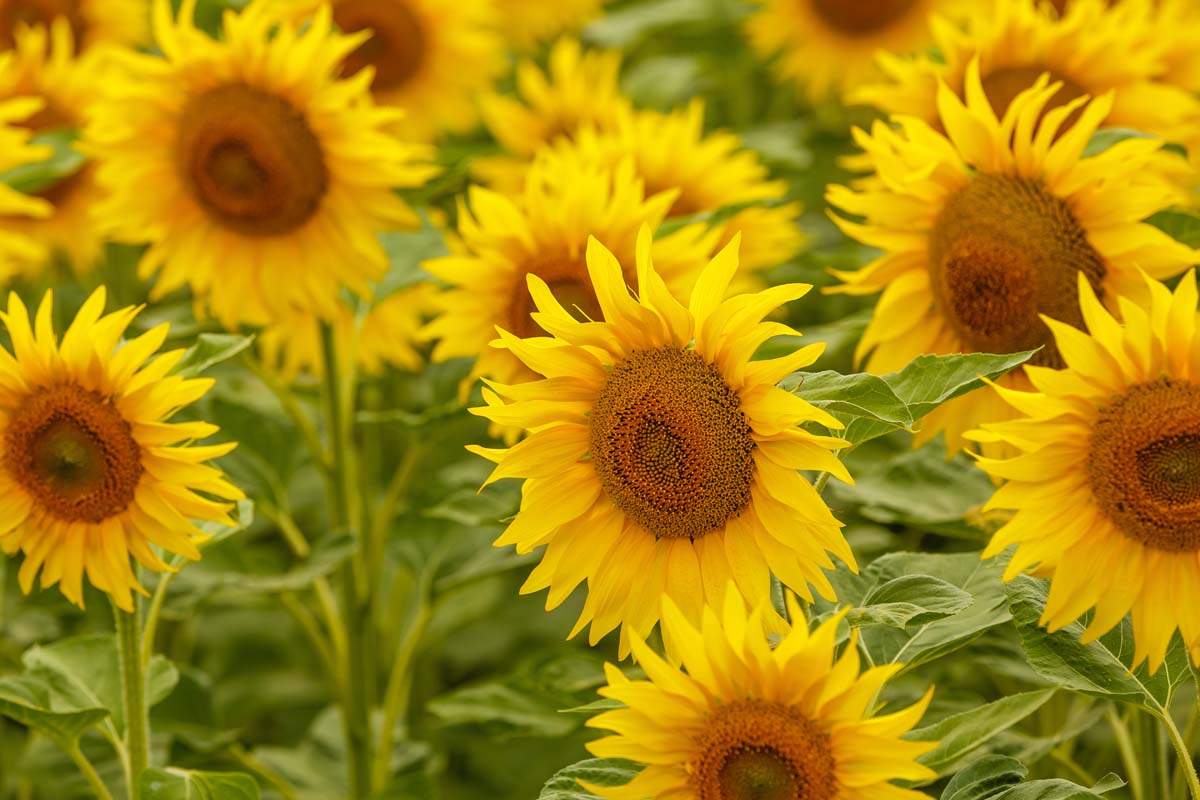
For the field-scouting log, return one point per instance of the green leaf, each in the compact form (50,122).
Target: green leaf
(564,785)
(928,381)
(909,600)
(1100,669)
(1105,138)
(624,27)
(986,779)
(209,350)
(173,783)
(29,700)
(64,161)
(405,252)
(1182,225)
(959,735)
(1054,789)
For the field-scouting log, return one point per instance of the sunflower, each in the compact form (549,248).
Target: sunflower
(544,231)
(1107,483)
(257,176)
(1089,50)
(94,24)
(17,250)
(432,58)
(386,336)
(526,23)
(91,471)
(43,65)
(748,720)
(829,46)
(986,227)
(660,461)
(710,171)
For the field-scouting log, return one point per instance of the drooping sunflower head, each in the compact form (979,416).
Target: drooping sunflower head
(17,249)
(829,46)
(94,24)
(544,231)
(526,23)
(1106,485)
(660,460)
(750,722)
(986,227)
(90,469)
(43,65)
(258,176)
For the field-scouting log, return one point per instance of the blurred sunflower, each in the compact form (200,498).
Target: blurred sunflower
(660,461)
(986,227)
(91,471)
(544,232)
(17,250)
(527,23)
(829,46)
(386,336)
(43,65)
(257,176)
(711,172)
(1107,483)
(93,23)
(751,721)
(1089,50)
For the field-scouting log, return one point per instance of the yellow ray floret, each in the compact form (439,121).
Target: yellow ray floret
(91,472)
(528,22)
(17,249)
(748,720)
(257,176)
(95,25)
(1106,485)
(986,226)
(661,461)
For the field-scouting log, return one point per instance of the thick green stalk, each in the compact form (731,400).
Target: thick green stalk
(133,692)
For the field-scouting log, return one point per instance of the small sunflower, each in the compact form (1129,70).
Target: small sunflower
(750,721)
(91,472)
(544,231)
(1089,50)
(387,336)
(985,228)
(829,46)
(43,65)
(1173,25)
(257,176)
(1107,484)
(17,249)
(661,461)
(526,23)
(94,24)
(710,171)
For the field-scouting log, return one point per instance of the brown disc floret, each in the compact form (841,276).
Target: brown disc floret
(396,48)
(862,17)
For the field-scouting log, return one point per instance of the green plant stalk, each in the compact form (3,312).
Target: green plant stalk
(89,773)
(1186,765)
(1129,755)
(133,691)
(343,513)
(399,685)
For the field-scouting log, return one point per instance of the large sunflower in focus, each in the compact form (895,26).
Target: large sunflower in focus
(829,46)
(661,461)
(544,231)
(17,250)
(91,471)
(1107,483)
(94,23)
(1090,49)
(752,721)
(43,65)
(257,176)
(986,227)
(528,22)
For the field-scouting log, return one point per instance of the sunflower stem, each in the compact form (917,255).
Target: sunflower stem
(89,773)
(133,691)
(1129,755)
(1186,764)
(344,514)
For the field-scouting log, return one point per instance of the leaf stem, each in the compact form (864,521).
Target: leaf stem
(399,685)
(133,691)
(89,772)
(292,408)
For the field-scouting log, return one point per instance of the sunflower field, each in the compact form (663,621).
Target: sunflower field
(585,400)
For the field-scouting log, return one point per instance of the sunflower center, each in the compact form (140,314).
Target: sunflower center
(671,444)
(15,13)
(1144,464)
(74,453)
(251,160)
(397,45)
(1002,251)
(1002,86)
(755,750)
(569,281)
(862,17)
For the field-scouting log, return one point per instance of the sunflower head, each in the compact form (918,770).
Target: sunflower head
(1106,483)
(660,460)
(526,23)
(750,722)
(259,177)
(17,249)
(90,469)
(93,24)
(986,227)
